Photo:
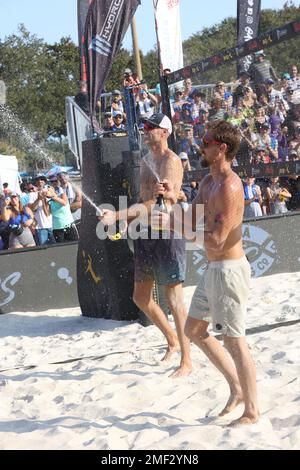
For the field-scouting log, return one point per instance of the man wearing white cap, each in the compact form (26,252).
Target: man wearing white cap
(158,258)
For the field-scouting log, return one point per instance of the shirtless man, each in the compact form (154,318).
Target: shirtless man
(160,259)
(222,293)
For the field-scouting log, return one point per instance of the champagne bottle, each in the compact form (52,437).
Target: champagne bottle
(160,203)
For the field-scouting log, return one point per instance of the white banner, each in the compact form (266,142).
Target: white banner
(168,31)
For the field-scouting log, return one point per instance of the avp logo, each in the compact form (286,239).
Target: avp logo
(259,247)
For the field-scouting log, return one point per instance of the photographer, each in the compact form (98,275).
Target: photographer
(38,203)
(64,229)
(20,219)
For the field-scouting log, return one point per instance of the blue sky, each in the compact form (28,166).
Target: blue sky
(52,19)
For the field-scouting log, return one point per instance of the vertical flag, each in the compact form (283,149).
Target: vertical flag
(168,31)
(248,26)
(106,24)
(82,11)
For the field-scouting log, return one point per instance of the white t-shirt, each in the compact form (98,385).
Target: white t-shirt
(43,221)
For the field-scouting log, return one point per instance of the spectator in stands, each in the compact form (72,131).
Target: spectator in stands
(268,142)
(283,143)
(244,80)
(277,197)
(6,190)
(64,229)
(129,79)
(74,194)
(188,90)
(24,195)
(82,98)
(248,100)
(247,145)
(294,145)
(260,118)
(293,187)
(224,95)
(274,95)
(186,114)
(295,77)
(198,103)
(38,203)
(108,121)
(4,226)
(285,83)
(177,104)
(118,129)
(217,112)
(117,103)
(200,124)
(145,104)
(253,198)
(260,71)
(20,219)
(190,145)
(260,156)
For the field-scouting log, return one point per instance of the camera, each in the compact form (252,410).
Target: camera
(17,229)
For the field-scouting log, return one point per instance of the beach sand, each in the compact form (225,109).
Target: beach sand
(71,382)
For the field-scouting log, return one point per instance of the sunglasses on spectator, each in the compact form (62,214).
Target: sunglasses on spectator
(54,181)
(14,196)
(149,127)
(207,142)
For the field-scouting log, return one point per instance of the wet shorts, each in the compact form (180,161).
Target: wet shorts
(161,260)
(221,296)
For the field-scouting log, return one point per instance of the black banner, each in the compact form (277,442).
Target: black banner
(248,27)
(265,40)
(106,24)
(82,11)
(265,170)
(105,267)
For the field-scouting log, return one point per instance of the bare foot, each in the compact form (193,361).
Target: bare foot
(243,420)
(234,400)
(170,351)
(183,371)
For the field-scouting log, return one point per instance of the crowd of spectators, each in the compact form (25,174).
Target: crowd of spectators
(41,213)
(264,107)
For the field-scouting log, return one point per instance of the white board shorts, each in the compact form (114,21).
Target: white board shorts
(221,296)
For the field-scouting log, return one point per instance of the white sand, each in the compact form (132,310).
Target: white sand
(117,395)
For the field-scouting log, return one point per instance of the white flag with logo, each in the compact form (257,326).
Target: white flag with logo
(168,30)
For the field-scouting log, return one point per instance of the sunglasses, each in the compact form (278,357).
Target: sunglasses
(14,197)
(149,127)
(207,142)
(54,181)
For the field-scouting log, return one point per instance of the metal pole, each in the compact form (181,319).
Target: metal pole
(136,49)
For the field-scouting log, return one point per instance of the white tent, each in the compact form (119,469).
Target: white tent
(9,172)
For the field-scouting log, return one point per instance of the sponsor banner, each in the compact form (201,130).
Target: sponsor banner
(168,31)
(106,24)
(248,27)
(82,11)
(268,170)
(263,41)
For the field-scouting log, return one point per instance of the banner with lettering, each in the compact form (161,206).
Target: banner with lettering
(168,31)
(248,27)
(106,24)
